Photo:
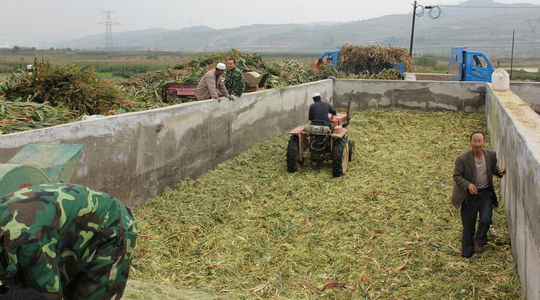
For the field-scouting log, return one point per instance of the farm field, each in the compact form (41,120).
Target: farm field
(250,230)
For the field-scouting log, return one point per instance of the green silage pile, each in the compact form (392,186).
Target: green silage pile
(251,230)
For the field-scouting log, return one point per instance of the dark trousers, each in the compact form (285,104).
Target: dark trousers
(480,204)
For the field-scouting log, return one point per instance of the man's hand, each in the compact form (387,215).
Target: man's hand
(231,98)
(218,99)
(472,189)
(502,171)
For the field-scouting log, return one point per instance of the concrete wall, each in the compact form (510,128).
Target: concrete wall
(135,156)
(422,95)
(528,92)
(430,76)
(514,130)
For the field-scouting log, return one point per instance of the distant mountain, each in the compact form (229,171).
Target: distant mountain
(484,25)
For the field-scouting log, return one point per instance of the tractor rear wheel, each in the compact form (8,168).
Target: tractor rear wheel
(340,157)
(293,153)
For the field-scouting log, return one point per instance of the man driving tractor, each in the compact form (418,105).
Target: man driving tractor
(318,112)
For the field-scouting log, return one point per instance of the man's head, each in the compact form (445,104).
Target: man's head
(231,63)
(316,97)
(220,69)
(478,141)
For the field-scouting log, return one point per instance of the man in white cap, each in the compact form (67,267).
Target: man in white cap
(211,85)
(318,111)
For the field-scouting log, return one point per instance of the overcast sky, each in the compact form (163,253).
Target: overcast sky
(39,22)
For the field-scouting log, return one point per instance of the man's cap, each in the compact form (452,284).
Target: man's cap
(221,66)
(316,95)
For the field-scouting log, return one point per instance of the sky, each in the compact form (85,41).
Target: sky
(39,23)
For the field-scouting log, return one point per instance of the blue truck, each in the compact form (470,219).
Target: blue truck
(463,65)
(469,65)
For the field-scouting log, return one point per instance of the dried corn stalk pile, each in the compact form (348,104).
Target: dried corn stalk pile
(372,58)
(250,230)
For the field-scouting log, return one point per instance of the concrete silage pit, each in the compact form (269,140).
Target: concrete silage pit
(249,228)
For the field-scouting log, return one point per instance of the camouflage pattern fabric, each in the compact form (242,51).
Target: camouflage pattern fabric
(234,82)
(66,241)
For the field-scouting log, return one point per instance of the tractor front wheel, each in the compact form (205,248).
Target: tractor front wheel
(340,157)
(293,153)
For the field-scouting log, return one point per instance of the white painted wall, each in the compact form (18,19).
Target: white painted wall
(514,130)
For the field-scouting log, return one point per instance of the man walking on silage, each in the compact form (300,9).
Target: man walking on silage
(474,192)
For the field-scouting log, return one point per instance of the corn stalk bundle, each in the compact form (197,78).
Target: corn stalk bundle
(22,115)
(71,85)
(372,59)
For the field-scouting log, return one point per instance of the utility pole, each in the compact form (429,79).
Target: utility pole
(108,29)
(412,29)
(512,56)
(434,13)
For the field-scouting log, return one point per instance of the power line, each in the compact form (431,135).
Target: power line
(491,7)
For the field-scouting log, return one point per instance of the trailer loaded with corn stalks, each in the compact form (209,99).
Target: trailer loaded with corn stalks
(368,59)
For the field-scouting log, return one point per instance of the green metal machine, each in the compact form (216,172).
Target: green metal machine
(39,163)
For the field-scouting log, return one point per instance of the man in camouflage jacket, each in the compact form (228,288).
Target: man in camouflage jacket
(66,242)
(234,81)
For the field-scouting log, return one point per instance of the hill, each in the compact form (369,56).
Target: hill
(484,25)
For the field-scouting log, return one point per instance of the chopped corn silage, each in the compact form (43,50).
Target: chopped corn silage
(250,230)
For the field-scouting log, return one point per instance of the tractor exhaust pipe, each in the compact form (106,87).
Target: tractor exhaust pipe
(349,108)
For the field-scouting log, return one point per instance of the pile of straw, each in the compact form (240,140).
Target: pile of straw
(372,59)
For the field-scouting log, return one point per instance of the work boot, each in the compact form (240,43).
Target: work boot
(478,248)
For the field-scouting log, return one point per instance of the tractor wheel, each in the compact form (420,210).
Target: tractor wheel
(351,150)
(292,154)
(340,157)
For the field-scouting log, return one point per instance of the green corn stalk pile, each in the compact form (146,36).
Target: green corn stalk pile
(385,230)
(72,86)
(21,115)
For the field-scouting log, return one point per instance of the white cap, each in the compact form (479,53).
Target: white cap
(316,95)
(28,67)
(221,66)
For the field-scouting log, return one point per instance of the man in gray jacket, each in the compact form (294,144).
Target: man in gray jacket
(474,192)
(211,85)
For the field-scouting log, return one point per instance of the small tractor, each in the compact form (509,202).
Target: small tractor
(318,143)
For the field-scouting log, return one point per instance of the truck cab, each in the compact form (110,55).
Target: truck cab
(330,57)
(468,65)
